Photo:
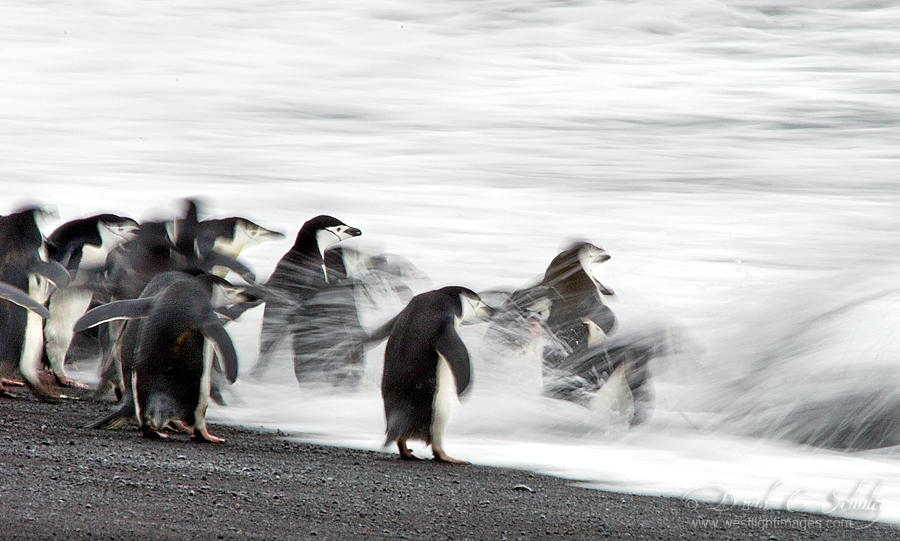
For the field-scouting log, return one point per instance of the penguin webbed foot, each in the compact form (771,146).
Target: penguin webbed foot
(180,427)
(42,393)
(11,382)
(405,453)
(202,435)
(65,381)
(153,434)
(441,456)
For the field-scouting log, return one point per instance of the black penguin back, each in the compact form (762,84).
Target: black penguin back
(409,381)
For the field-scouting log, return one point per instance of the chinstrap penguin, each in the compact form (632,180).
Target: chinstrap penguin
(25,266)
(81,246)
(170,380)
(299,275)
(426,366)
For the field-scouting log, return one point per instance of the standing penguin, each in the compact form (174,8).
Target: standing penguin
(24,265)
(299,275)
(78,244)
(171,377)
(426,365)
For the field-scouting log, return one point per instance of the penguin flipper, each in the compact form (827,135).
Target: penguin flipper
(127,309)
(215,259)
(52,271)
(452,348)
(380,334)
(606,290)
(213,330)
(19,297)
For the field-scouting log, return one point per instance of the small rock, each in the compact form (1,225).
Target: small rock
(525,488)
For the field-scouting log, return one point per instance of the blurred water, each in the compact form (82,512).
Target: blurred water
(738,159)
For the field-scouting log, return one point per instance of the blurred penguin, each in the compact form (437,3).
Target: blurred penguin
(176,328)
(299,275)
(79,244)
(25,266)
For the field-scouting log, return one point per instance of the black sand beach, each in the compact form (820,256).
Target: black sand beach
(60,481)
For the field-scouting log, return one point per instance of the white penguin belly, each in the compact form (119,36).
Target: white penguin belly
(614,398)
(93,256)
(66,306)
(33,344)
(596,335)
(445,398)
(205,385)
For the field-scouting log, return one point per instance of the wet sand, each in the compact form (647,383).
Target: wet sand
(61,481)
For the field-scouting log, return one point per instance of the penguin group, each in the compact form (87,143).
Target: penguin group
(152,300)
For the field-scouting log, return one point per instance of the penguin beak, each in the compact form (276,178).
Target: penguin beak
(487,312)
(253,293)
(125,230)
(261,233)
(344,232)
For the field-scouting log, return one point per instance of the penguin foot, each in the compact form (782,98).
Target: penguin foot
(181,426)
(11,382)
(41,392)
(202,435)
(153,434)
(65,381)
(405,453)
(441,456)
(6,394)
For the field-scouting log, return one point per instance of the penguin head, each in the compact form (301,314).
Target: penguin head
(472,308)
(253,233)
(224,293)
(579,256)
(328,231)
(116,229)
(229,236)
(590,255)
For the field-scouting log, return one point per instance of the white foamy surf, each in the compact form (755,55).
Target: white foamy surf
(737,159)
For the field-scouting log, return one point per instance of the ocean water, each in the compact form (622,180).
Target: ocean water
(738,160)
